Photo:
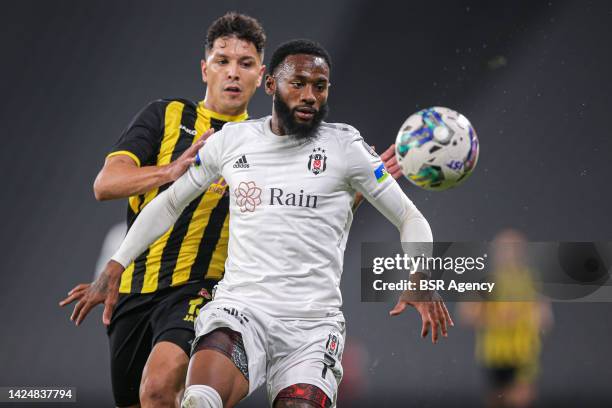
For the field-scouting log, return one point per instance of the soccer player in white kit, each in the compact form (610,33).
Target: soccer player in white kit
(276,317)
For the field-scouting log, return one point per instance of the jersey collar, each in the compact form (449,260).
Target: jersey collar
(225,118)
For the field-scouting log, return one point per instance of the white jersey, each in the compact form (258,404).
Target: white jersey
(290,212)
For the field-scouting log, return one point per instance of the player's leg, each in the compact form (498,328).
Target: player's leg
(308,374)
(218,371)
(163,378)
(499,382)
(130,338)
(522,392)
(302,396)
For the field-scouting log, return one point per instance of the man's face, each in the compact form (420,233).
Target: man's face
(300,87)
(232,71)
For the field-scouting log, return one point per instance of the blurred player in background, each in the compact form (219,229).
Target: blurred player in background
(508,333)
(151,329)
(276,316)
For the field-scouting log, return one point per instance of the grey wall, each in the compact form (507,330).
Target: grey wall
(74,73)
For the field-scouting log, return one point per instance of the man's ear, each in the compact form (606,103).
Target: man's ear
(203,69)
(262,71)
(270,84)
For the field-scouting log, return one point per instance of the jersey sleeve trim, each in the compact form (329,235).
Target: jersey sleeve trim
(125,153)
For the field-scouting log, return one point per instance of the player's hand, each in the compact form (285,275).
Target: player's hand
(105,290)
(432,309)
(390,161)
(178,167)
(75,294)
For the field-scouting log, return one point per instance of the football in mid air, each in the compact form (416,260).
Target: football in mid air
(437,148)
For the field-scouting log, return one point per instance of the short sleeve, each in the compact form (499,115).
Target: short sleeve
(365,170)
(142,137)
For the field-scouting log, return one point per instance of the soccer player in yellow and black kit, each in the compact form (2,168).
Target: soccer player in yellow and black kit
(508,333)
(151,328)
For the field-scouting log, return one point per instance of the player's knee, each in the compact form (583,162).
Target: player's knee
(156,392)
(302,396)
(201,396)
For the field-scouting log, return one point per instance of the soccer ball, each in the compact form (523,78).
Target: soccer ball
(437,148)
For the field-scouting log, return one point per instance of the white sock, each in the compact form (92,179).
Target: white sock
(201,396)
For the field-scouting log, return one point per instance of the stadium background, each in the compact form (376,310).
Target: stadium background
(532,76)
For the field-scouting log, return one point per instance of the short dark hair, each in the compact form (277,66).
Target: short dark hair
(295,47)
(238,25)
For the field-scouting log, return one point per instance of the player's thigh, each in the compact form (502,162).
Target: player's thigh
(130,339)
(219,361)
(166,368)
(171,320)
(315,364)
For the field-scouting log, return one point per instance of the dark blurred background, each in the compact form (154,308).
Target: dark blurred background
(532,76)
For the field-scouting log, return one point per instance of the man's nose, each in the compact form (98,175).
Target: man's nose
(308,96)
(232,71)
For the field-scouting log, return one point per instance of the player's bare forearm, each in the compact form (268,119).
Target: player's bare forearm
(121,177)
(417,295)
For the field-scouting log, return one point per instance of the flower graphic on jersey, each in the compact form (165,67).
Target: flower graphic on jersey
(247,196)
(317,162)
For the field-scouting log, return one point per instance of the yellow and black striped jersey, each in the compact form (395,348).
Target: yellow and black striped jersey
(509,336)
(196,246)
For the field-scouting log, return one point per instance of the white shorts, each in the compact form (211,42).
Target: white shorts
(281,352)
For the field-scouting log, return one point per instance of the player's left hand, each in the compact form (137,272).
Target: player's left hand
(432,309)
(105,290)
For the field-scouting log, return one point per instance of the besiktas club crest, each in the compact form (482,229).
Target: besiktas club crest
(317,161)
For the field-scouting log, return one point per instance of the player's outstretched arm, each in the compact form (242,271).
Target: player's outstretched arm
(367,175)
(155,219)
(122,177)
(152,222)
(414,228)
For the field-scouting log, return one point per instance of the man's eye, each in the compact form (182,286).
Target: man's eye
(297,84)
(247,64)
(222,62)
(321,87)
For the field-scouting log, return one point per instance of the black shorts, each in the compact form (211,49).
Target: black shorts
(500,377)
(503,376)
(140,321)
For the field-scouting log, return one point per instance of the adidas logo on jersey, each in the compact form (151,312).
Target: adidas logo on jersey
(241,163)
